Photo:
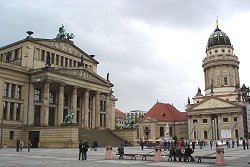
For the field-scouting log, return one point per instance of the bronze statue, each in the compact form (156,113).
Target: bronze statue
(63,35)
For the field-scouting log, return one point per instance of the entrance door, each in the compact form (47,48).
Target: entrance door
(34,138)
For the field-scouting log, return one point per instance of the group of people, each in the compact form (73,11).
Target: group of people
(83,149)
(20,145)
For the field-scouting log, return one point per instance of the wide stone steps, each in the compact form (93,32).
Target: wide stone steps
(103,137)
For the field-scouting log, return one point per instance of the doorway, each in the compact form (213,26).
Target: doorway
(34,138)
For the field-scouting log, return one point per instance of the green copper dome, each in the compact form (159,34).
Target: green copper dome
(218,37)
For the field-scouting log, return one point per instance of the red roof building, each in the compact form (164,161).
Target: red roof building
(158,118)
(120,118)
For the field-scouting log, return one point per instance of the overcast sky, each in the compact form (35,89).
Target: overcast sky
(153,49)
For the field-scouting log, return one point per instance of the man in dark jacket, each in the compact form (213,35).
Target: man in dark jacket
(81,147)
(188,153)
(85,149)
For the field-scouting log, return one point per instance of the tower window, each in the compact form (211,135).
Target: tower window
(225,80)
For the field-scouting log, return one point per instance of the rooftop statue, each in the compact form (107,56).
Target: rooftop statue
(63,34)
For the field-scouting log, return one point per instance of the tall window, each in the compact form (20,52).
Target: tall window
(52,97)
(16,54)
(225,80)
(61,60)
(66,99)
(13,90)
(42,55)
(78,101)
(11,135)
(19,91)
(18,111)
(66,62)
(38,94)
(6,89)
(57,59)
(70,62)
(11,111)
(205,134)
(52,58)
(74,63)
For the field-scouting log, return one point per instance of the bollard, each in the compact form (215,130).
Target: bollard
(158,156)
(109,154)
(220,160)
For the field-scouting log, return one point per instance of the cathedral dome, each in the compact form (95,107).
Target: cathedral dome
(218,37)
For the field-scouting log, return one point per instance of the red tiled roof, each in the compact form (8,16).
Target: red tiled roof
(166,112)
(119,114)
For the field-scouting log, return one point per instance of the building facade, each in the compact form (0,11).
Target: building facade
(221,112)
(153,125)
(41,80)
(120,118)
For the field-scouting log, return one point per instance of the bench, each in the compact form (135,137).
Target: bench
(204,157)
(133,156)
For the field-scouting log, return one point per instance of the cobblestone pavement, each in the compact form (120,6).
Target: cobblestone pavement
(69,158)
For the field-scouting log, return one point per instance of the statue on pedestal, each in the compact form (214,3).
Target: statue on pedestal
(167,132)
(69,117)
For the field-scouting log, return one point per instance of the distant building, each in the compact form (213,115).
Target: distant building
(135,114)
(120,118)
(156,119)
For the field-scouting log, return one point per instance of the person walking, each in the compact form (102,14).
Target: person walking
(81,147)
(29,144)
(142,144)
(247,143)
(21,145)
(233,143)
(17,144)
(85,149)
(244,144)
(120,151)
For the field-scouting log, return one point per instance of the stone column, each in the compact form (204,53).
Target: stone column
(199,128)
(74,103)
(60,105)
(107,113)
(8,111)
(45,115)
(97,110)
(93,112)
(219,128)
(216,129)
(86,109)
(14,111)
(82,111)
(209,133)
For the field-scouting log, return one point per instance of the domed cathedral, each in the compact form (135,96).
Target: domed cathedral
(220,112)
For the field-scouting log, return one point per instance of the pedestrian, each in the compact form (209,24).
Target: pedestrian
(193,146)
(80,150)
(29,144)
(244,144)
(211,144)
(120,151)
(247,143)
(233,143)
(21,145)
(85,149)
(141,144)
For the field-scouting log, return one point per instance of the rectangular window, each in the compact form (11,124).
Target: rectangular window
(66,62)
(42,55)
(78,101)
(48,59)
(204,121)
(52,58)
(37,54)
(16,54)
(57,59)
(52,97)
(205,134)
(11,135)
(18,111)
(225,80)
(8,56)
(19,91)
(225,119)
(61,60)
(235,119)
(38,95)
(13,90)
(66,99)
(6,89)
(195,121)
(11,111)
(70,62)
(74,63)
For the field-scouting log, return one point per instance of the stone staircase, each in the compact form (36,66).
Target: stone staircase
(102,136)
